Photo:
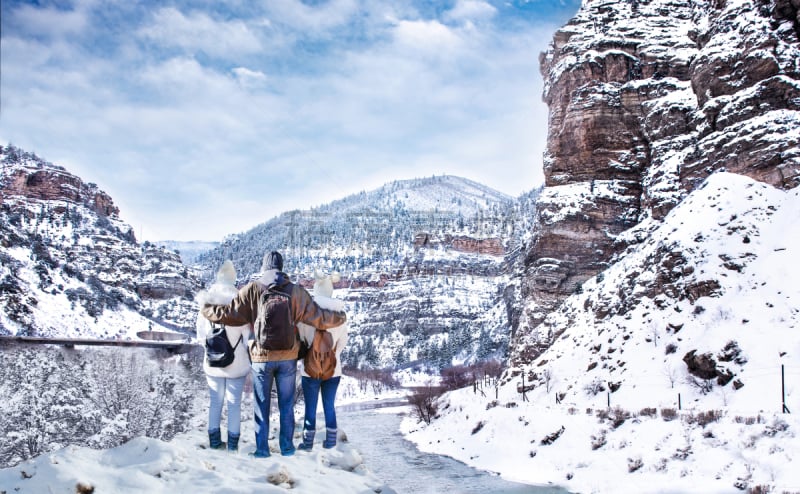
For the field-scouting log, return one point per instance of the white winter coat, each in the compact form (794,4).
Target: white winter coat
(221,293)
(338,333)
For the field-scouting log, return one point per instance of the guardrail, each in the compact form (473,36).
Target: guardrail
(171,346)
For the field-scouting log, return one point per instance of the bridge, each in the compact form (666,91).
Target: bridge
(172,346)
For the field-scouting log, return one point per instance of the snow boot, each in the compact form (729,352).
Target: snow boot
(233,441)
(330,438)
(308,440)
(215,439)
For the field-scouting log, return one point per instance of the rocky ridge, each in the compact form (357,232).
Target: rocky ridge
(647,99)
(71,267)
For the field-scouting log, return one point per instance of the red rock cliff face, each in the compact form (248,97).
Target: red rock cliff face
(45,182)
(646,99)
(462,243)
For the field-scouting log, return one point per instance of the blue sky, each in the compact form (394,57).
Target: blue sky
(203,119)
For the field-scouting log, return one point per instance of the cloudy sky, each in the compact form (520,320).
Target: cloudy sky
(205,118)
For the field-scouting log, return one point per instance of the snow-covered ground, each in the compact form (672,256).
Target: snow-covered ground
(588,454)
(718,277)
(185,464)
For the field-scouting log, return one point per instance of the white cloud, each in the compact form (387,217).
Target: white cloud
(317,18)
(199,32)
(249,78)
(468,10)
(49,21)
(427,37)
(184,141)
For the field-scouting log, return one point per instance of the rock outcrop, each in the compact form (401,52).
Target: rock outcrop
(71,267)
(647,99)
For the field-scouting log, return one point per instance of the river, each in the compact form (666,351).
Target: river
(374,429)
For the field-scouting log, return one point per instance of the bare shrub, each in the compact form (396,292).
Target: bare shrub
(703,418)
(594,387)
(671,374)
(616,416)
(456,377)
(379,379)
(703,385)
(777,426)
(745,420)
(599,440)
(619,416)
(648,412)
(460,376)
(547,377)
(551,438)
(634,464)
(478,427)
(423,401)
(669,414)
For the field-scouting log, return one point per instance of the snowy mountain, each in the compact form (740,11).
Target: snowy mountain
(370,231)
(423,266)
(70,267)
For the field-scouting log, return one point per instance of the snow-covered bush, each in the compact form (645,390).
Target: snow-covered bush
(92,397)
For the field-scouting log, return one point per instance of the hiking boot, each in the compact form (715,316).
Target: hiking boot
(215,440)
(233,442)
(330,439)
(308,440)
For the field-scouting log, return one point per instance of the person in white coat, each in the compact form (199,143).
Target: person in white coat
(225,384)
(313,388)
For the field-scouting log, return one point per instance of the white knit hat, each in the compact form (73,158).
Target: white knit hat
(226,274)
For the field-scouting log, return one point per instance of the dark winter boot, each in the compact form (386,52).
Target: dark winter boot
(215,440)
(330,439)
(308,440)
(233,441)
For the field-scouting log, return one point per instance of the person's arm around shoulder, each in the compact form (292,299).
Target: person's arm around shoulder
(308,311)
(237,313)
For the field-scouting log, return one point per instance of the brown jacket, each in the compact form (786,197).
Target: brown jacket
(244,310)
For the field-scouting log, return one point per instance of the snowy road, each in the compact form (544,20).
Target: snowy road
(374,431)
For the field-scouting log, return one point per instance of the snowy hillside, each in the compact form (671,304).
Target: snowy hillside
(445,193)
(71,267)
(371,231)
(703,308)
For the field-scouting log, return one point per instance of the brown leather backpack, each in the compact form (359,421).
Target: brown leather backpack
(320,361)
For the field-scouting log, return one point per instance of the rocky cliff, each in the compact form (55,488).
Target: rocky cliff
(71,267)
(647,99)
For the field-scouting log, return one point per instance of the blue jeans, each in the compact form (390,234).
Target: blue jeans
(311,391)
(284,373)
(221,390)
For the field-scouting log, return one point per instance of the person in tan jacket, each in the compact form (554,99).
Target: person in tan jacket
(275,347)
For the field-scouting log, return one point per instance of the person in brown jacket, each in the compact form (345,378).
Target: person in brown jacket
(273,358)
